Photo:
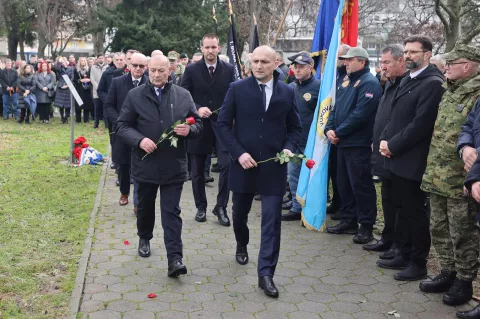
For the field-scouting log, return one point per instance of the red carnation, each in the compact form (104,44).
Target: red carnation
(81,140)
(290,73)
(127,70)
(310,164)
(190,120)
(85,145)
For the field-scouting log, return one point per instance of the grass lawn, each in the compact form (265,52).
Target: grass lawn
(45,207)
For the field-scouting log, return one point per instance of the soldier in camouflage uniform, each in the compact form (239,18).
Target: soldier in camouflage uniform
(453,230)
(177,68)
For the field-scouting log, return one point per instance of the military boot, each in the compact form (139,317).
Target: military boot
(441,283)
(460,292)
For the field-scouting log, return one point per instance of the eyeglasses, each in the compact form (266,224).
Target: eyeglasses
(412,52)
(453,63)
(141,66)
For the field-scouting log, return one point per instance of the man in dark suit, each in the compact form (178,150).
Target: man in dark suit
(115,98)
(148,111)
(267,121)
(208,81)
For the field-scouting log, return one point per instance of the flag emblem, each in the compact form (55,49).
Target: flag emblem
(369,95)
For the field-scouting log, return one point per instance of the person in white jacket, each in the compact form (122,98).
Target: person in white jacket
(95,74)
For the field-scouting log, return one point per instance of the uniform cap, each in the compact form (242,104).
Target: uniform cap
(301,58)
(463,51)
(356,52)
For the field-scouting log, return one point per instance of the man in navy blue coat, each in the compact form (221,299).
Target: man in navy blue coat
(267,121)
(116,96)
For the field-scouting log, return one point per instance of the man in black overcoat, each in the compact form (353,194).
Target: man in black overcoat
(208,81)
(267,122)
(148,111)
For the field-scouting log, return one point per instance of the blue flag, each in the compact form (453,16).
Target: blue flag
(312,184)
(323,32)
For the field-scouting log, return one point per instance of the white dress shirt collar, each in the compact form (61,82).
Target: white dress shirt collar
(417,73)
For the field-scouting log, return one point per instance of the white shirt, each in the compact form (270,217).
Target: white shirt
(209,65)
(268,91)
(417,73)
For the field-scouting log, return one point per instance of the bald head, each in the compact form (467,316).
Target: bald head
(156,52)
(158,70)
(263,63)
(342,50)
(138,65)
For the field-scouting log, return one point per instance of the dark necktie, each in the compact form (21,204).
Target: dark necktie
(159,95)
(264,96)
(211,68)
(135,83)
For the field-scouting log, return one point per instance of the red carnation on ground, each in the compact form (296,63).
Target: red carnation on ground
(85,145)
(152,295)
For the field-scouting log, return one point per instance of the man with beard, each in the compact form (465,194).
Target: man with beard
(453,230)
(404,143)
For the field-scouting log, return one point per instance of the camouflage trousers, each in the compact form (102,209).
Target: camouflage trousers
(454,234)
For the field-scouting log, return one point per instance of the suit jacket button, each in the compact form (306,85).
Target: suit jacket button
(261,136)
(161,121)
(210,102)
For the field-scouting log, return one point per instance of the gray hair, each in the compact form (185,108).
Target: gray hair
(248,63)
(279,55)
(198,54)
(118,54)
(439,59)
(224,58)
(343,48)
(396,50)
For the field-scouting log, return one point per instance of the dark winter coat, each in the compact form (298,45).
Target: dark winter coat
(144,116)
(85,91)
(62,97)
(9,78)
(43,81)
(105,83)
(25,83)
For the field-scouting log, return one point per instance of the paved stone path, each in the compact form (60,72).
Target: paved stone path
(318,276)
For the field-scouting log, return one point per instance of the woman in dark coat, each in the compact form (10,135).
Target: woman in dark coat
(45,82)
(27,102)
(81,80)
(62,97)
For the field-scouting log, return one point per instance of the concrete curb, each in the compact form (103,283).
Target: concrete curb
(77,291)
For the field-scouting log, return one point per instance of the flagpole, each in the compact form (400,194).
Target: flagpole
(282,22)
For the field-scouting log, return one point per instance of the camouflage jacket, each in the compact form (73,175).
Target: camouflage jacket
(445,171)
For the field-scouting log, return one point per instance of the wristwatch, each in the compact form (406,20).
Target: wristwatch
(460,153)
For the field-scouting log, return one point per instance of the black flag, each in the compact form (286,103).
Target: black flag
(232,51)
(255,40)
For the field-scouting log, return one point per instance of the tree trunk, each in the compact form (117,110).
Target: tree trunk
(42,45)
(12,46)
(21,43)
(98,42)
(452,32)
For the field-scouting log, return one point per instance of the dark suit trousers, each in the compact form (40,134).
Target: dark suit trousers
(170,213)
(413,219)
(197,162)
(355,185)
(271,227)
(332,174)
(124,178)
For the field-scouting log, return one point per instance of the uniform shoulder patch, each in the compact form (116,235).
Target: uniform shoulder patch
(356,83)
(345,83)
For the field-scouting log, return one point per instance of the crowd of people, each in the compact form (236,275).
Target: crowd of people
(413,127)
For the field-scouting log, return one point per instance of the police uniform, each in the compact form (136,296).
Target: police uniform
(306,93)
(453,230)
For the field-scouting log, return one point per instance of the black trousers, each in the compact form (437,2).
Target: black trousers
(64,113)
(43,110)
(110,131)
(170,213)
(413,219)
(98,111)
(78,115)
(197,163)
(270,233)
(332,175)
(25,115)
(355,185)
(124,178)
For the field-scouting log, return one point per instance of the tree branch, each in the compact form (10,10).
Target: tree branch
(441,15)
(450,13)
(470,35)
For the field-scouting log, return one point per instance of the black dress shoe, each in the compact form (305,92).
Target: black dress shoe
(470,314)
(95,125)
(287,205)
(113,166)
(144,247)
(189,176)
(412,273)
(291,216)
(117,182)
(344,227)
(131,180)
(215,168)
(440,283)
(460,292)
(201,215)
(389,254)
(176,268)
(258,197)
(222,216)
(266,283)
(209,179)
(332,209)
(364,235)
(380,245)
(398,262)
(241,255)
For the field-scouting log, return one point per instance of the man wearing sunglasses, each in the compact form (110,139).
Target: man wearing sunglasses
(116,96)
(452,153)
